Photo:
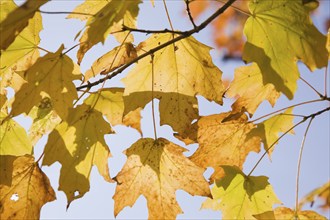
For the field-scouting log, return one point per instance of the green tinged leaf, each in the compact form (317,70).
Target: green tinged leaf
(279,33)
(51,74)
(78,144)
(281,213)
(13,138)
(270,129)
(239,196)
(16,19)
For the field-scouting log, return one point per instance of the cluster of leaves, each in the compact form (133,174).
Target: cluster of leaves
(171,66)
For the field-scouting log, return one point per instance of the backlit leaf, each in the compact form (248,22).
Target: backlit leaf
(175,109)
(184,67)
(270,129)
(13,138)
(16,19)
(78,144)
(279,33)
(110,103)
(113,59)
(250,89)
(108,17)
(24,188)
(44,119)
(281,213)
(224,142)
(239,196)
(52,74)
(156,169)
(22,53)
(322,193)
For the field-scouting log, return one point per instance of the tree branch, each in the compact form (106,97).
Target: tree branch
(178,38)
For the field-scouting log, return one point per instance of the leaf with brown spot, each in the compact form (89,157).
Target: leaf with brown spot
(250,89)
(110,61)
(78,144)
(156,169)
(281,213)
(24,188)
(51,74)
(224,143)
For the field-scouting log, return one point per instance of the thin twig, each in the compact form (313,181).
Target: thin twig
(125,28)
(310,86)
(282,109)
(299,163)
(189,13)
(152,96)
(63,12)
(273,144)
(236,8)
(168,15)
(152,51)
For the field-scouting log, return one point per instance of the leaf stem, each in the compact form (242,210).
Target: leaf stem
(152,51)
(63,12)
(152,96)
(282,109)
(273,144)
(312,87)
(43,49)
(299,163)
(168,15)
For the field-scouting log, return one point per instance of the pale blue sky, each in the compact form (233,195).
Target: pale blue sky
(98,203)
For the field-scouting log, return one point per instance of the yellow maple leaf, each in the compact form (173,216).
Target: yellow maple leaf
(250,89)
(110,103)
(175,110)
(239,196)
(22,53)
(156,169)
(279,33)
(322,192)
(78,144)
(112,60)
(184,67)
(281,213)
(223,142)
(16,19)
(44,119)
(13,138)
(107,17)
(270,129)
(51,74)
(24,188)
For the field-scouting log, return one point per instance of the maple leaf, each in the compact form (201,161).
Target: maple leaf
(110,103)
(108,17)
(239,196)
(44,119)
(286,213)
(51,74)
(269,129)
(78,144)
(175,110)
(156,169)
(16,19)
(322,192)
(224,142)
(22,53)
(250,89)
(113,59)
(280,32)
(184,67)
(13,138)
(24,188)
